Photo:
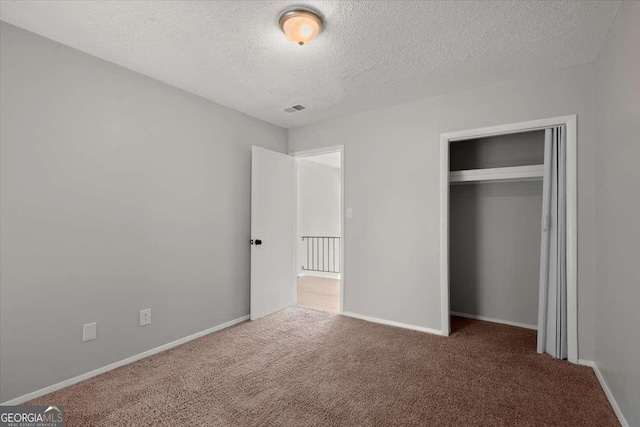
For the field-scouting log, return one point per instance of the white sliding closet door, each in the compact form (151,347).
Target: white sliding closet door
(552,306)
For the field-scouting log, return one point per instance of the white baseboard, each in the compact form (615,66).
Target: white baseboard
(492,320)
(123,362)
(392,323)
(606,390)
(585,362)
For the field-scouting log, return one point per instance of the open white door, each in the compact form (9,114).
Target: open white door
(272,231)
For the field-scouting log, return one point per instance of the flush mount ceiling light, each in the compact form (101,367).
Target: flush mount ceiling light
(301,26)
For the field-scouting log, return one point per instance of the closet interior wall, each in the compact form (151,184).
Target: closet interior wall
(495,231)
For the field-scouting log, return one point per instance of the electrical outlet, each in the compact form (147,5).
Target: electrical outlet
(145,317)
(89,332)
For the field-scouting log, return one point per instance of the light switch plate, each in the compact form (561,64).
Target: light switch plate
(349,213)
(145,317)
(89,332)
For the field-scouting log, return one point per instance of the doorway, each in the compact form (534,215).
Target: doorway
(319,230)
(277,257)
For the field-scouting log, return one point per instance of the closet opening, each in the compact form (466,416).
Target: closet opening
(494,237)
(508,230)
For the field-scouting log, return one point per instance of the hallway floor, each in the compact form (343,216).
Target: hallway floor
(319,293)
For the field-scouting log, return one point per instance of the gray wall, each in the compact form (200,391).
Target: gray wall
(118,193)
(495,250)
(617,94)
(392,183)
(318,199)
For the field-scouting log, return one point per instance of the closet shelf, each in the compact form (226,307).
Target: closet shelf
(508,174)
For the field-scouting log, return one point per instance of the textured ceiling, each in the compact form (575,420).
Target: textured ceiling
(372,53)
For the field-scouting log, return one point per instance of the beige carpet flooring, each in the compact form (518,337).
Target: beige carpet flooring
(302,367)
(319,293)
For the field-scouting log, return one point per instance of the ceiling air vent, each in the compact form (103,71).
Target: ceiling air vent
(294,108)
